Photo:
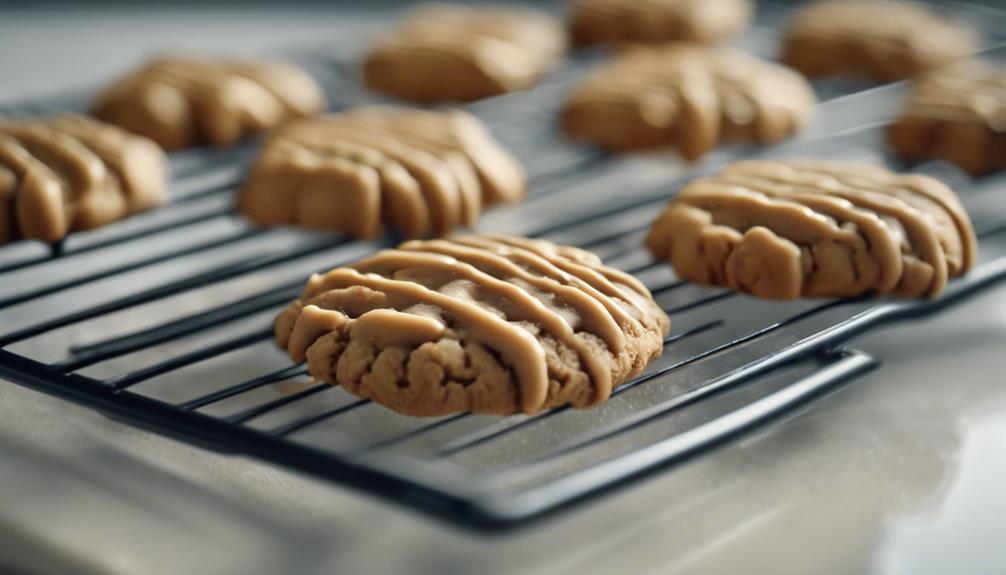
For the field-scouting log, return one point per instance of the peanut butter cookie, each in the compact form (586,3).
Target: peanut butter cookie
(459,54)
(66,174)
(957,114)
(423,172)
(689,97)
(491,324)
(814,229)
(184,102)
(653,21)
(882,40)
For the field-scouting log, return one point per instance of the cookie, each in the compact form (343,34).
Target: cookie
(957,114)
(880,40)
(687,96)
(445,53)
(66,174)
(652,21)
(815,229)
(483,323)
(422,172)
(184,102)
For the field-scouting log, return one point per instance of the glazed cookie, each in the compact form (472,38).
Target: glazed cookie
(490,324)
(882,40)
(67,174)
(814,229)
(444,53)
(651,21)
(957,114)
(185,102)
(423,172)
(689,97)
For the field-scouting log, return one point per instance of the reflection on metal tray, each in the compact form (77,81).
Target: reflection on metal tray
(164,319)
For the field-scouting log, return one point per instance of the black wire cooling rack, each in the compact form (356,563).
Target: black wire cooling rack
(163,320)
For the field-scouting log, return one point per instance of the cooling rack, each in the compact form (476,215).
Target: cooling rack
(163,320)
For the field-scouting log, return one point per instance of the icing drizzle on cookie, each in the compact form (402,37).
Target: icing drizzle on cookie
(501,292)
(816,229)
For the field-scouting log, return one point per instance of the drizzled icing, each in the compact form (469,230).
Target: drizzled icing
(493,290)
(595,312)
(883,245)
(816,229)
(72,173)
(872,195)
(423,172)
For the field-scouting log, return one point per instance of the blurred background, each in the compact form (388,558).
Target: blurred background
(49,47)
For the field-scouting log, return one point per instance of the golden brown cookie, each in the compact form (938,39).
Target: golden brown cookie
(957,114)
(882,40)
(689,97)
(66,174)
(184,102)
(815,229)
(423,172)
(484,323)
(653,21)
(445,53)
